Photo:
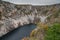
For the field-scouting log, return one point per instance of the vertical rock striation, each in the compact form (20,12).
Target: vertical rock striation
(12,15)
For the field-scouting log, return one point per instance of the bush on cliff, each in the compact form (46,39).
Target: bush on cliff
(53,32)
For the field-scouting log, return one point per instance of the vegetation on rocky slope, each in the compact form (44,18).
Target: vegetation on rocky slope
(51,33)
(12,15)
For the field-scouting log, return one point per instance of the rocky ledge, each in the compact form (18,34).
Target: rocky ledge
(12,16)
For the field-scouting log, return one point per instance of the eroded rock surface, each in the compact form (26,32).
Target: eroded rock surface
(12,15)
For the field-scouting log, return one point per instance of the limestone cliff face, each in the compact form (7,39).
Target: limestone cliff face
(12,15)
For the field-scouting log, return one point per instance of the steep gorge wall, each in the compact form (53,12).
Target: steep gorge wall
(12,15)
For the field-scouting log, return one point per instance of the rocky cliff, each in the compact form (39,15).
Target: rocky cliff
(12,16)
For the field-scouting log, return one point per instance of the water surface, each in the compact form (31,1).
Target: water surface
(19,33)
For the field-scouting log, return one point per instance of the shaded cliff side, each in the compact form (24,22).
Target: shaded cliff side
(12,15)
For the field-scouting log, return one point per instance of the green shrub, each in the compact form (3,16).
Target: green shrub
(53,32)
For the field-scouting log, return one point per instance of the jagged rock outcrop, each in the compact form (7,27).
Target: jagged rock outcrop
(12,15)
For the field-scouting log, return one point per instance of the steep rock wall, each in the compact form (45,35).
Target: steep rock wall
(12,16)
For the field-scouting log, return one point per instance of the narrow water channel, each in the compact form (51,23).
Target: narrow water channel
(19,33)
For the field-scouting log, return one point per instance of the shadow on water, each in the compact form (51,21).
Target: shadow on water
(19,33)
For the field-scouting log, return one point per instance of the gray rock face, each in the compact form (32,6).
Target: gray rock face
(12,16)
